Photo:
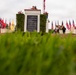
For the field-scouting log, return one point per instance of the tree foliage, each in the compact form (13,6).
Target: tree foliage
(43,23)
(20,21)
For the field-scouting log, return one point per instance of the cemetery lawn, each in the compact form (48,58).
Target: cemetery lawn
(36,54)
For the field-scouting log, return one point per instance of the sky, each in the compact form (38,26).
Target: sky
(59,10)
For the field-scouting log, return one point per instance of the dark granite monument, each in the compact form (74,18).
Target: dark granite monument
(32,22)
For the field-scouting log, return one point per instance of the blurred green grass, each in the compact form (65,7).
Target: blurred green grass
(33,54)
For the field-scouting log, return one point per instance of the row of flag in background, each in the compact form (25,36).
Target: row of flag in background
(68,24)
(4,24)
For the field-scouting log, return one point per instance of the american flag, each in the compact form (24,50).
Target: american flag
(67,25)
(73,24)
(70,24)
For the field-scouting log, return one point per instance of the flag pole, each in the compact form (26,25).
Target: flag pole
(43,6)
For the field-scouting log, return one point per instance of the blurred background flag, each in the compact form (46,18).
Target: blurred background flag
(52,27)
(12,25)
(62,23)
(67,25)
(9,24)
(73,23)
(2,24)
(6,21)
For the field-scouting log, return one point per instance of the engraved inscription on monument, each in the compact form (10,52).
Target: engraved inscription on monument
(32,22)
